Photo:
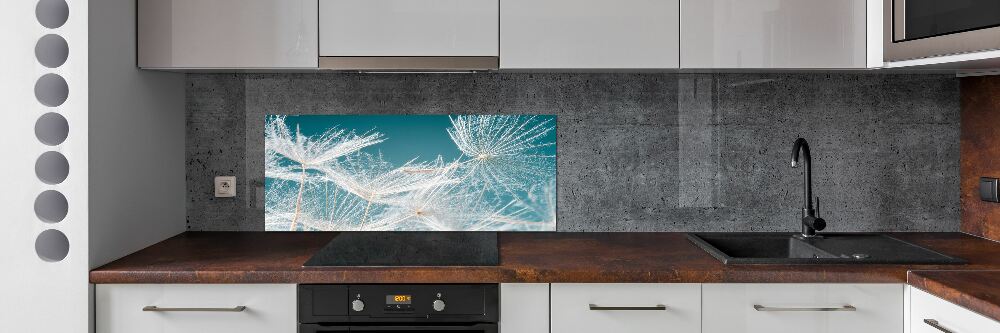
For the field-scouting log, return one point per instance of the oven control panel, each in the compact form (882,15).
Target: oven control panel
(371,303)
(419,299)
(399,303)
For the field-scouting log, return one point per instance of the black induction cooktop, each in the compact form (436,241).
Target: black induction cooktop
(409,248)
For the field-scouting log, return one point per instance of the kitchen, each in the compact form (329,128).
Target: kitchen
(500,166)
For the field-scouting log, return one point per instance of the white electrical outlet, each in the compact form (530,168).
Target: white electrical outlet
(225,186)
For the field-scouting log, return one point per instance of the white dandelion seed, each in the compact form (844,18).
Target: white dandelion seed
(439,208)
(312,152)
(274,169)
(504,151)
(536,211)
(373,179)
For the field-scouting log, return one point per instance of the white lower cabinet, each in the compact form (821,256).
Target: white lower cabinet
(627,307)
(803,308)
(569,308)
(524,307)
(186,308)
(930,314)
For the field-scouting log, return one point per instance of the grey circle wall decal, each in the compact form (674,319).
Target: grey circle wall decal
(51,128)
(51,51)
(52,168)
(51,90)
(52,245)
(51,206)
(52,13)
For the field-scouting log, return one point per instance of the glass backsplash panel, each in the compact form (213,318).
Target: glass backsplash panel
(410,173)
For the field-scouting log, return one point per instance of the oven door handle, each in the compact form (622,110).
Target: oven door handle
(485,328)
(323,329)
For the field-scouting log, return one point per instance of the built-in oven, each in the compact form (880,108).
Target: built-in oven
(377,308)
(916,29)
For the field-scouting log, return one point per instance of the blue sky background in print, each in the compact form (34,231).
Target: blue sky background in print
(410,172)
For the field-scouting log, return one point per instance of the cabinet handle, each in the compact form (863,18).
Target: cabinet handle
(159,309)
(934,323)
(595,307)
(768,308)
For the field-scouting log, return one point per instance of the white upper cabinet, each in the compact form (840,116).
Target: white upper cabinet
(227,34)
(589,34)
(779,34)
(409,28)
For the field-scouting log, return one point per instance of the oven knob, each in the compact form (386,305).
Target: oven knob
(358,305)
(438,305)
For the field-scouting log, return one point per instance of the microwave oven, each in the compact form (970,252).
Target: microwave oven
(915,29)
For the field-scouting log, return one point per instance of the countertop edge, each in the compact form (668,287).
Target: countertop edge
(936,282)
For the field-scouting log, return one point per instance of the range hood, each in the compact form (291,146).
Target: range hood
(409,35)
(410,64)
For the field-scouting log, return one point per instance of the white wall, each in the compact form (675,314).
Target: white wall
(137,186)
(36,295)
(124,124)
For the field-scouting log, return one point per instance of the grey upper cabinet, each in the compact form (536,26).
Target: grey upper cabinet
(809,34)
(589,34)
(219,34)
(508,34)
(409,34)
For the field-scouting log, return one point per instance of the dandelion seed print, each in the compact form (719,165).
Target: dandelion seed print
(410,172)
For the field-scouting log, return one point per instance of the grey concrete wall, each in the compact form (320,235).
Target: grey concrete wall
(637,152)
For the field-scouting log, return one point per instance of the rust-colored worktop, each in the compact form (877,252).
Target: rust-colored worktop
(275,257)
(978,291)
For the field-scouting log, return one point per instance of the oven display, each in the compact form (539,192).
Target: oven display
(398,299)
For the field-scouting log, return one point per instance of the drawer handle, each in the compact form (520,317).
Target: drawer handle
(159,309)
(595,307)
(769,308)
(934,323)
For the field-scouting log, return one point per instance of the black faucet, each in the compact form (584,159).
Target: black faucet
(810,221)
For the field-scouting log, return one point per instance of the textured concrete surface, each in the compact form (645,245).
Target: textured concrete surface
(637,152)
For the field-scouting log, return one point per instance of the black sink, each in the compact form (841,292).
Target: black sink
(835,248)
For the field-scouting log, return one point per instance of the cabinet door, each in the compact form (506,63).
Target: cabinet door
(227,34)
(927,310)
(524,307)
(270,308)
(803,308)
(582,34)
(425,28)
(626,307)
(773,34)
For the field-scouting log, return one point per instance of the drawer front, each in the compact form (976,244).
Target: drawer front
(803,308)
(633,308)
(947,316)
(269,308)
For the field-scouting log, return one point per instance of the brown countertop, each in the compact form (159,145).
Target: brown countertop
(978,291)
(276,257)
